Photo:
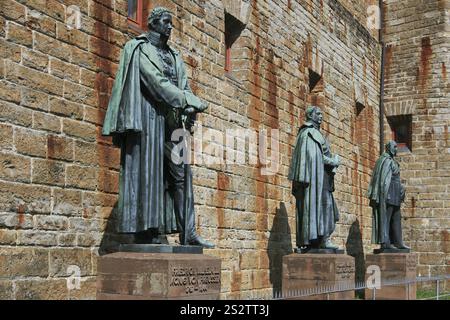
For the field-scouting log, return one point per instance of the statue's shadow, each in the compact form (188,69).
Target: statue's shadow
(278,246)
(111,238)
(354,247)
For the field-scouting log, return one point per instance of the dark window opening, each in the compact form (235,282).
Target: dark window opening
(233,29)
(314,79)
(136,14)
(401,127)
(359,108)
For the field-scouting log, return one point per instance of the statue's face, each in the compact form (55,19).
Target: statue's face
(393,148)
(163,25)
(317,116)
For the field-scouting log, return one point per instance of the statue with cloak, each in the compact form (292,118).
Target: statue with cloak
(151,99)
(386,193)
(312,173)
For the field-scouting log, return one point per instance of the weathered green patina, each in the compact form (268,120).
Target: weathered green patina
(312,176)
(150,99)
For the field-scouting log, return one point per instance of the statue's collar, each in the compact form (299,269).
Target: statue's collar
(156,40)
(311,124)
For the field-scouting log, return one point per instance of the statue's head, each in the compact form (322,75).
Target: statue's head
(314,114)
(160,21)
(391,148)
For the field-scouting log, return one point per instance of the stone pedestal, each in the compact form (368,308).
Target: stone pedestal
(306,272)
(394,268)
(153,276)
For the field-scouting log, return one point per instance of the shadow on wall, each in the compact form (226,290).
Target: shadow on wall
(279,245)
(354,248)
(111,238)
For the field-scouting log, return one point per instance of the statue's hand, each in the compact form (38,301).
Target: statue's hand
(202,107)
(337,161)
(189,110)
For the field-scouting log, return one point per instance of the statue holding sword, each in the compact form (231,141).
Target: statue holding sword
(151,98)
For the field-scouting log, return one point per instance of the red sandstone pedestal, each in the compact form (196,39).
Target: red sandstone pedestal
(154,276)
(306,272)
(394,268)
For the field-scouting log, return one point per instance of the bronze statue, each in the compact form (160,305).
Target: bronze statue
(386,193)
(151,98)
(312,173)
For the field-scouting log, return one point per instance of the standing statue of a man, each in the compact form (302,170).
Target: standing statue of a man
(386,193)
(150,99)
(312,173)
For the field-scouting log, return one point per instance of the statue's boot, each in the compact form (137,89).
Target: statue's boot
(196,240)
(327,244)
(387,245)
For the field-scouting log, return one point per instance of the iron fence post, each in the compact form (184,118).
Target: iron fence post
(437,289)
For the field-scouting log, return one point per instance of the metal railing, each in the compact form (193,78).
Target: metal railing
(327,291)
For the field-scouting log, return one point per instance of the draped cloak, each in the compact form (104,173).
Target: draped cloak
(141,99)
(317,212)
(378,192)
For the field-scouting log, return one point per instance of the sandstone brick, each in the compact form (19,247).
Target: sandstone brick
(100,201)
(86,152)
(52,222)
(13,10)
(66,202)
(10,50)
(63,107)
(84,225)
(14,167)
(61,259)
(23,262)
(6,137)
(108,156)
(432,258)
(34,99)
(24,198)
(104,49)
(16,221)
(48,289)
(108,17)
(94,115)
(64,70)
(48,172)
(48,122)
(88,288)
(33,79)
(87,78)
(89,239)
(8,237)
(67,239)
(80,94)
(83,59)
(40,22)
(30,142)
(79,129)
(19,34)
(52,47)
(108,181)
(59,147)
(2,27)
(34,59)
(51,8)
(73,36)
(81,177)
(9,91)
(6,290)
(36,237)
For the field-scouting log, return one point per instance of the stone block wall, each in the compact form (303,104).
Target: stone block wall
(59,176)
(417,39)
